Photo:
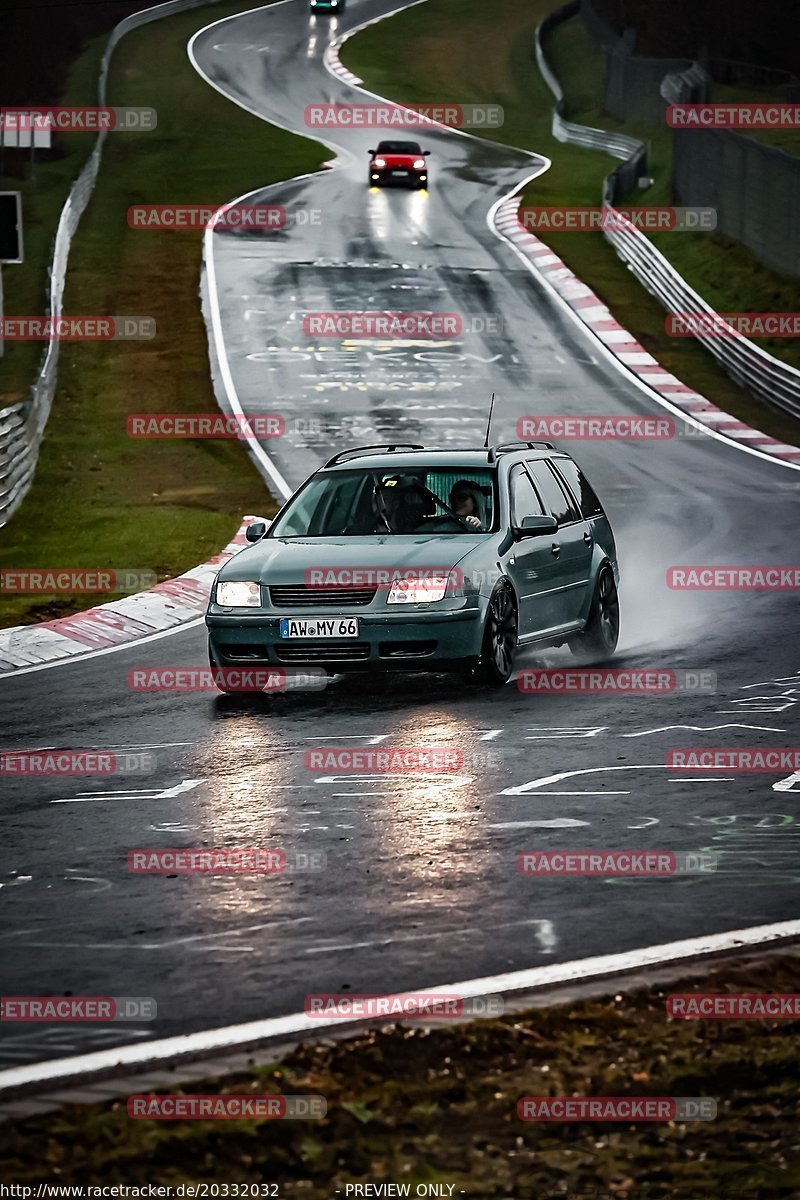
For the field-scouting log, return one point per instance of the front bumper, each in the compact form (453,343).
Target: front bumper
(429,641)
(381,177)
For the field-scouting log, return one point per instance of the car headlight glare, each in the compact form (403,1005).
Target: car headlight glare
(418,591)
(419,163)
(234,594)
(379,162)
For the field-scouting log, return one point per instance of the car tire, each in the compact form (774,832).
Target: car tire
(500,633)
(599,638)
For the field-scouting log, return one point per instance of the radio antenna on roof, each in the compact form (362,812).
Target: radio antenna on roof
(489,423)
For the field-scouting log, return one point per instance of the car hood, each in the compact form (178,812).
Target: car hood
(284,561)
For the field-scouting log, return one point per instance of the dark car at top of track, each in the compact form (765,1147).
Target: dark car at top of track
(398,162)
(400,558)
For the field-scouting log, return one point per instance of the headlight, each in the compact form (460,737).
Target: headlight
(418,591)
(419,163)
(379,162)
(239,595)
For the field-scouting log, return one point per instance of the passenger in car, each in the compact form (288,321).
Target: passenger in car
(466,500)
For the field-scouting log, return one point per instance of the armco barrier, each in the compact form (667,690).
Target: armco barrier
(22,425)
(748,364)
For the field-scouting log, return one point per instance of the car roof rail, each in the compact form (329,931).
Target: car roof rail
(506,447)
(340,457)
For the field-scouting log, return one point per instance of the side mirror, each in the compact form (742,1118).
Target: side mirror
(426,152)
(256,531)
(535,526)
(371,152)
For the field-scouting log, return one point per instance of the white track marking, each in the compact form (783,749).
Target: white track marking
(703,729)
(230,1037)
(787,785)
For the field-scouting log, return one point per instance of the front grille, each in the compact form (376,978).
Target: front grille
(323,652)
(300,596)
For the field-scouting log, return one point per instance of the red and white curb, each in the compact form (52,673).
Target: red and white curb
(174,602)
(599,320)
(331,60)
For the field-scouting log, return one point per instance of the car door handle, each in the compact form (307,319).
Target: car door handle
(556,549)
(587,537)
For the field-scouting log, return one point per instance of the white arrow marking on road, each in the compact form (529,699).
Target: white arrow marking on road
(786,785)
(566,731)
(555,823)
(524,789)
(186,785)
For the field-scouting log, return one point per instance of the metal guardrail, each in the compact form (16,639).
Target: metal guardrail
(22,425)
(748,364)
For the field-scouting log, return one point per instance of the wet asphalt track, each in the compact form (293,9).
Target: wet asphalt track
(421,885)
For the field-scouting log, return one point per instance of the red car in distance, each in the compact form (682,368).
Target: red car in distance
(401,163)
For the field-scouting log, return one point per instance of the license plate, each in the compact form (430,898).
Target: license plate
(399,172)
(319,627)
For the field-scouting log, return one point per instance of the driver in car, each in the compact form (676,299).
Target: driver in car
(466,500)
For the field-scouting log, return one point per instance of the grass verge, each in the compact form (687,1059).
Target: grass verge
(410,1106)
(101,498)
(506,73)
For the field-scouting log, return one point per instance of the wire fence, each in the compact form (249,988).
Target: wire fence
(22,425)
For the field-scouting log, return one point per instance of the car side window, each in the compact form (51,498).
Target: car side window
(524,501)
(581,488)
(556,500)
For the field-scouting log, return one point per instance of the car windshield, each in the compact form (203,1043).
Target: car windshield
(362,503)
(398,148)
